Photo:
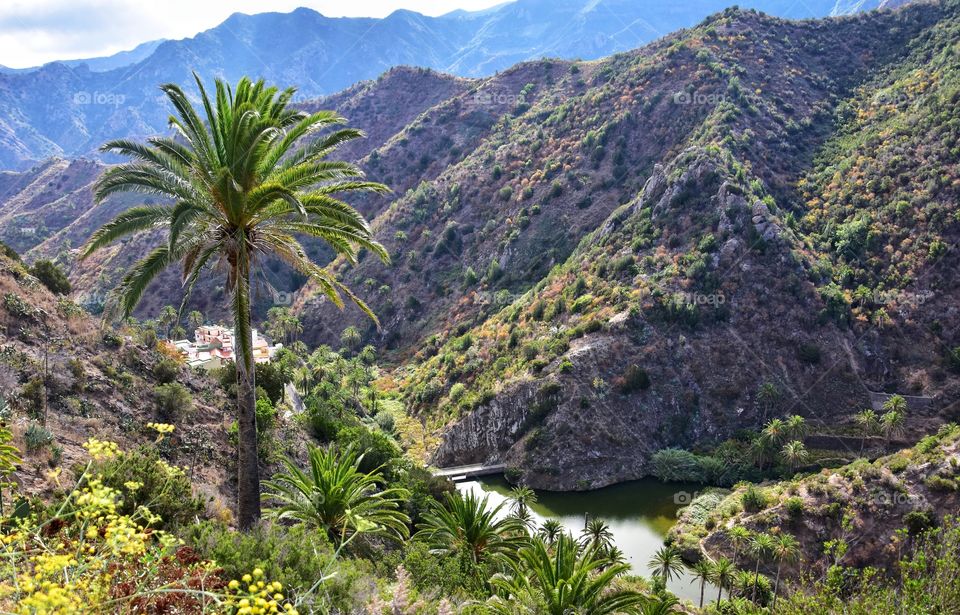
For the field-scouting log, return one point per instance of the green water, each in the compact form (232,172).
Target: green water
(639,514)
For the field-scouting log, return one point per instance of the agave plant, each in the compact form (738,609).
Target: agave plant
(468,525)
(337,497)
(240,184)
(562,580)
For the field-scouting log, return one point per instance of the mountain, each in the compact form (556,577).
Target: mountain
(70,108)
(594,261)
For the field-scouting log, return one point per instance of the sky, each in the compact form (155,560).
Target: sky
(33,32)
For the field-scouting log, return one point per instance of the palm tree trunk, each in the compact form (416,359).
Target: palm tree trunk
(248,463)
(719,592)
(756,580)
(776,588)
(703,583)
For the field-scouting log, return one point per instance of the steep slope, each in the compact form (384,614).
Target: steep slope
(70,108)
(663,326)
(99,384)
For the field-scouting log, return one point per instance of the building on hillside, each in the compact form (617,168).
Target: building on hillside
(213,346)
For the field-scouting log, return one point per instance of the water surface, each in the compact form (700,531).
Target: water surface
(639,514)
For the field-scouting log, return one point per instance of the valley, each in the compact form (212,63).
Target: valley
(685,298)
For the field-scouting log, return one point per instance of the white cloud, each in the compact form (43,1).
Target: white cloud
(33,32)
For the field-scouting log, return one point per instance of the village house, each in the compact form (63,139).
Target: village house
(213,346)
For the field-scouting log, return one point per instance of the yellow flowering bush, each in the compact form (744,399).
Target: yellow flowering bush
(84,555)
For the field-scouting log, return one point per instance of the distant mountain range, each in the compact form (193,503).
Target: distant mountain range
(70,108)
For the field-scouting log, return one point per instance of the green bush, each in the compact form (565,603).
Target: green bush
(634,378)
(166,370)
(37,437)
(794,506)
(753,499)
(377,448)
(293,555)
(173,402)
(162,488)
(51,276)
(385,421)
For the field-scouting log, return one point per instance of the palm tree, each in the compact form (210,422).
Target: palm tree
(467,525)
(869,424)
(521,498)
(796,427)
(596,535)
(666,563)
(337,497)
(565,579)
(549,531)
(767,396)
(795,454)
(701,571)
(350,338)
(195,319)
(739,536)
(891,424)
(760,545)
(775,431)
(659,605)
(760,448)
(240,188)
(167,318)
(896,403)
(785,548)
(723,570)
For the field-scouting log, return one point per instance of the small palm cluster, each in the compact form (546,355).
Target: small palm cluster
(783,439)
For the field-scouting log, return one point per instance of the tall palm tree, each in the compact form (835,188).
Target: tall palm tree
(666,563)
(596,535)
(167,318)
(241,184)
(775,431)
(565,579)
(795,454)
(195,319)
(723,570)
(337,497)
(796,427)
(785,548)
(739,536)
(760,449)
(550,531)
(701,571)
(761,545)
(869,424)
(891,424)
(467,525)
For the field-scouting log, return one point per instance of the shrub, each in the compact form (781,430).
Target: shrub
(166,370)
(677,465)
(809,353)
(173,401)
(37,437)
(634,378)
(753,499)
(794,506)
(377,448)
(51,276)
(145,479)
(385,421)
(457,391)
(292,555)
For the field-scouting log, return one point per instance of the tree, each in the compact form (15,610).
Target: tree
(891,424)
(666,563)
(167,318)
(739,536)
(51,276)
(795,427)
(565,579)
(550,531)
(896,403)
(337,497)
(785,548)
(760,546)
(350,338)
(701,571)
(767,396)
(467,525)
(775,432)
(760,449)
(723,570)
(521,498)
(869,424)
(795,454)
(241,187)
(596,535)
(195,320)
